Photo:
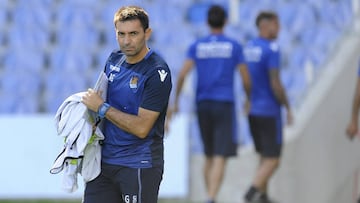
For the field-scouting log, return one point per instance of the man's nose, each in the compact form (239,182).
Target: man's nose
(127,39)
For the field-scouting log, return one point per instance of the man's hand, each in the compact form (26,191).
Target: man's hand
(289,117)
(92,100)
(351,130)
(247,106)
(171,111)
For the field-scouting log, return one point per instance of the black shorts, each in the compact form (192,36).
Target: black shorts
(266,132)
(217,128)
(117,184)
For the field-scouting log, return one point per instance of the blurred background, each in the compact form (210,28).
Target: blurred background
(50,49)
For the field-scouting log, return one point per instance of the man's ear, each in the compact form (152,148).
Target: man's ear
(148,32)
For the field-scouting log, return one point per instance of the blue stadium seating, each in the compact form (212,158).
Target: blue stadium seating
(47,37)
(61,84)
(62,59)
(20,89)
(8,105)
(52,49)
(21,61)
(197,12)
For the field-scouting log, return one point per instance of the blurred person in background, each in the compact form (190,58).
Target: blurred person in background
(352,129)
(134,111)
(216,58)
(267,97)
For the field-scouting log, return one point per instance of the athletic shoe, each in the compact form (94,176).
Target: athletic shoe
(253,195)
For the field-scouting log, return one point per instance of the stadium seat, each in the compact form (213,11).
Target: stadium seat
(3,15)
(287,12)
(197,13)
(34,38)
(298,57)
(304,18)
(22,88)
(70,59)
(8,104)
(61,84)
(36,11)
(236,32)
(19,59)
(343,13)
(325,37)
(27,105)
(286,42)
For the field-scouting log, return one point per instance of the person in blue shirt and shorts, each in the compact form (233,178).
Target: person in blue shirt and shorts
(134,111)
(216,58)
(267,96)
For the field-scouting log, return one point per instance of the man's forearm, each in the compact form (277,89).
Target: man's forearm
(281,96)
(138,125)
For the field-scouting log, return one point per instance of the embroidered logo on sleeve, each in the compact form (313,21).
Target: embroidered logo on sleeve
(162,74)
(111,77)
(114,68)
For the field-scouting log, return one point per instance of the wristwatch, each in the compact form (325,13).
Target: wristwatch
(103,108)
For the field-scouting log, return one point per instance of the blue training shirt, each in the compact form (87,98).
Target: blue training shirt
(146,84)
(216,58)
(261,56)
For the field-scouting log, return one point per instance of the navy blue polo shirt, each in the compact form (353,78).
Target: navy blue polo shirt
(146,84)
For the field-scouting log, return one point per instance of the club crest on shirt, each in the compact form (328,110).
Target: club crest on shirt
(134,82)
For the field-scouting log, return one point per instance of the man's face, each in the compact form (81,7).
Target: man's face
(273,28)
(131,37)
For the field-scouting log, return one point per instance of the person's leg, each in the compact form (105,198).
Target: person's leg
(215,177)
(150,184)
(267,136)
(264,172)
(139,185)
(102,188)
(206,124)
(224,145)
(272,144)
(207,171)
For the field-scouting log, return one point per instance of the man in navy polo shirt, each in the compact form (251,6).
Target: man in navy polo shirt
(216,58)
(267,96)
(134,112)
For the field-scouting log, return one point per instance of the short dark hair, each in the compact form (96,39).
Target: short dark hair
(131,13)
(216,16)
(265,15)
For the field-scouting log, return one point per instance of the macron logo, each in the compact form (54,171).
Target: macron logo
(162,74)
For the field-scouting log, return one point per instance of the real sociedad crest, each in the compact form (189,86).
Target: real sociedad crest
(134,83)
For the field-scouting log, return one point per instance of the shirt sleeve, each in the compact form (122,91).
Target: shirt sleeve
(274,56)
(191,53)
(239,53)
(157,90)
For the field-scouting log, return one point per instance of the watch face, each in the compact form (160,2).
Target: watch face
(103,109)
